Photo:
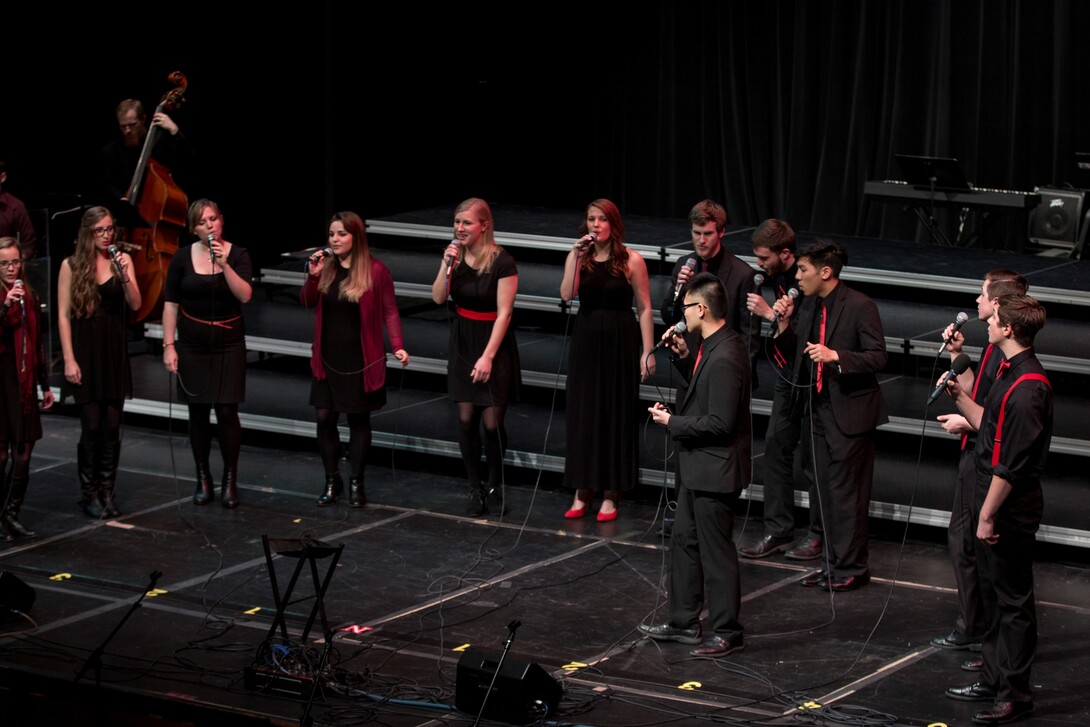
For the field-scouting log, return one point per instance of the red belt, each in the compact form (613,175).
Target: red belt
(221,324)
(475,315)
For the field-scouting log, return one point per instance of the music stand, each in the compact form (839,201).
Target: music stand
(306,551)
(941,173)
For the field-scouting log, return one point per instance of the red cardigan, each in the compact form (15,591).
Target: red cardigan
(377,306)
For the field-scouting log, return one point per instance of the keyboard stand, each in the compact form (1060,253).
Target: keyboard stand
(307,552)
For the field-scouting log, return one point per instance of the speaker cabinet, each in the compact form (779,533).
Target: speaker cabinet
(1055,221)
(523,692)
(14,594)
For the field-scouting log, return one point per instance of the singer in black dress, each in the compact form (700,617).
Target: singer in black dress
(93,291)
(23,369)
(606,364)
(352,294)
(204,343)
(479,280)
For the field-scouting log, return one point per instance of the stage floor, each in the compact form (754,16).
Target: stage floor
(417,582)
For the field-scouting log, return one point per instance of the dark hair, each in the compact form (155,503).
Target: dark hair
(709,289)
(1023,314)
(359,260)
(706,211)
(826,253)
(618,253)
(1005,282)
(774,234)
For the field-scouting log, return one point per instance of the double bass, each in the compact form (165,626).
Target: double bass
(160,206)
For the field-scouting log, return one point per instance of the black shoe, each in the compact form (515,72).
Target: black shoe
(808,549)
(229,488)
(206,489)
(972,665)
(666,632)
(1003,712)
(476,503)
(497,502)
(333,486)
(766,546)
(953,640)
(716,646)
(5,536)
(978,692)
(815,579)
(846,583)
(357,497)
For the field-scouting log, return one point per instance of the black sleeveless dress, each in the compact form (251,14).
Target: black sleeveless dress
(100,345)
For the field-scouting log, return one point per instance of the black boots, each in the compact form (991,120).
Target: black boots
(356,496)
(107,476)
(88,486)
(206,488)
(333,486)
(10,516)
(229,490)
(476,501)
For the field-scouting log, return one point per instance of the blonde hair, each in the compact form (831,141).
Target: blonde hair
(484,214)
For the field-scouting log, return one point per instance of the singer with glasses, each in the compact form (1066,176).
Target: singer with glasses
(352,294)
(478,280)
(24,369)
(204,343)
(95,286)
(612,350)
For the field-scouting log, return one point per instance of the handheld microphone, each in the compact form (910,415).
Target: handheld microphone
(22,298)
(792,294)
(960,366)
(677,330)
(450,261)
(959,321)
(588,239)
(758,279)
(211,254)
(690,265)
(113,251)
(324,252)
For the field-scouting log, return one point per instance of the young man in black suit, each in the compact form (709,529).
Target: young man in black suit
(838,347)
(711,429)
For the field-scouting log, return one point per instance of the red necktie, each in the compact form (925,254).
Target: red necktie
(699,353)
(821,340)
(1003,366)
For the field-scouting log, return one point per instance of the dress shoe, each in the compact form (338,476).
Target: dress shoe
(815,579)
(766,546)
(846,583)
(716,646)
(576,512)
(972,665)
(1003,712)
(808,549)
(978,692)
(666,632)
(607,517)
(953,640)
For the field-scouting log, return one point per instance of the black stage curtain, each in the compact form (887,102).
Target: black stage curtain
(785,109)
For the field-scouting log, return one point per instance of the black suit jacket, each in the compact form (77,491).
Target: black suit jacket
(711,426)
(854,329)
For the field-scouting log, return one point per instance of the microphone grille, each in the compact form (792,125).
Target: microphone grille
(758,279)
(962,317)
(681,327)
(793,293)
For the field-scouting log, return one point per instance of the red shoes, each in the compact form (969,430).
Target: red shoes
(606,517)
(576,512)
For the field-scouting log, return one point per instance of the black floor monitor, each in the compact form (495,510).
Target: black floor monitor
(938,172)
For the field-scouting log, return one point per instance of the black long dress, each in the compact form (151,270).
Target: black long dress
(476,293)
(100,345)
(211,333)
(603,385)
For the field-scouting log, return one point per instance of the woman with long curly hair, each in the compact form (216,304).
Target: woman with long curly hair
(353,298)
(95,286)
(606,364)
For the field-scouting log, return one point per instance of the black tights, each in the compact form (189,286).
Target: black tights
(20,455)
(470,418)
(100,421)
(329,440)
(229,435)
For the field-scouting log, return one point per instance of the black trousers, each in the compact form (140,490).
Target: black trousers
(1006,585)
(844,469)
(961,541)
(781,445)
(704,562)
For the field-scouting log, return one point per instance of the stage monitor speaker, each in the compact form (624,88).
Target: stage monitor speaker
(14,594)
(1054,222)
(523,692)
